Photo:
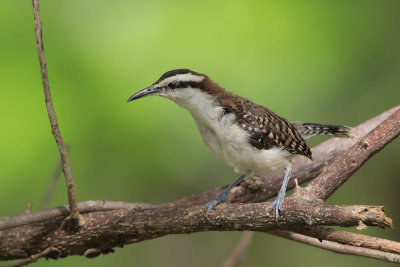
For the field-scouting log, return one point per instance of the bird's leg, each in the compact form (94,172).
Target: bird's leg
(222,196)
(277,204)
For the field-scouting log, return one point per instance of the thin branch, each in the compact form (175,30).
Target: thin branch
(32,258)
(345,165)
(339,248)
(240,250)
(53,119)
(353,239)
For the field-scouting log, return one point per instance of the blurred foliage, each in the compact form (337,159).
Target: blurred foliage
(317,61)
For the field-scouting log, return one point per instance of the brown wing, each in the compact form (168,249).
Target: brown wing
(267,129)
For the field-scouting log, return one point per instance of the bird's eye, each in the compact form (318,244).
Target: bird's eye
(172,85)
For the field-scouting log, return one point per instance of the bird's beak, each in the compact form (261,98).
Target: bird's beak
(142,93)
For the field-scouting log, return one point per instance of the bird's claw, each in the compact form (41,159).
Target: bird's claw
(277,204)
(210,205)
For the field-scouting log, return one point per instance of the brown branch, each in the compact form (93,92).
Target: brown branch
(32,258)
(348,238)
(240,250)
(264,186)
(107,229)
(53,118)
(339,248)
(335,174)
(83,207)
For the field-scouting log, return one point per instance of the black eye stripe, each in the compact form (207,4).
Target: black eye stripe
(189,84)
(177,84)
(172,85)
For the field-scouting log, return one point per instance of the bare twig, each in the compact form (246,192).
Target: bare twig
(353,239)
(240,250)
(339,248)
(53,119)
(32,258)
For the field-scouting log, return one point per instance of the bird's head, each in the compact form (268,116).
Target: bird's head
(172,85)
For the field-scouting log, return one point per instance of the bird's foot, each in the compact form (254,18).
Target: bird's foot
(210,205)
(277,204)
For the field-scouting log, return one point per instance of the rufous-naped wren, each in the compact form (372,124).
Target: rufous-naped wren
(246,136)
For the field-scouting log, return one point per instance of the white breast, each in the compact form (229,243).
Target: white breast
(227,140)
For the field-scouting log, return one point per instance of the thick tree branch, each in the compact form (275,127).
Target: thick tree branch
(107,229)
(53,118)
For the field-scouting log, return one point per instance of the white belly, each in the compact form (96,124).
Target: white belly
(230,143)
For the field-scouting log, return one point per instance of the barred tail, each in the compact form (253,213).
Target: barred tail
(308,130)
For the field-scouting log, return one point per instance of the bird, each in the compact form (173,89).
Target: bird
(246,136)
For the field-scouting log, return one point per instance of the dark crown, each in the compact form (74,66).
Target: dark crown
(173,73)
(195,83)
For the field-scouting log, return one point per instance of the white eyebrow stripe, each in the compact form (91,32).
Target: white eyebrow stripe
(187,77)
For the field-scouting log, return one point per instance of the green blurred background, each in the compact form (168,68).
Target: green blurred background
(316,61)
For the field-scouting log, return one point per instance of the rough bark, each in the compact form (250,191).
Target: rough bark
(107,229)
